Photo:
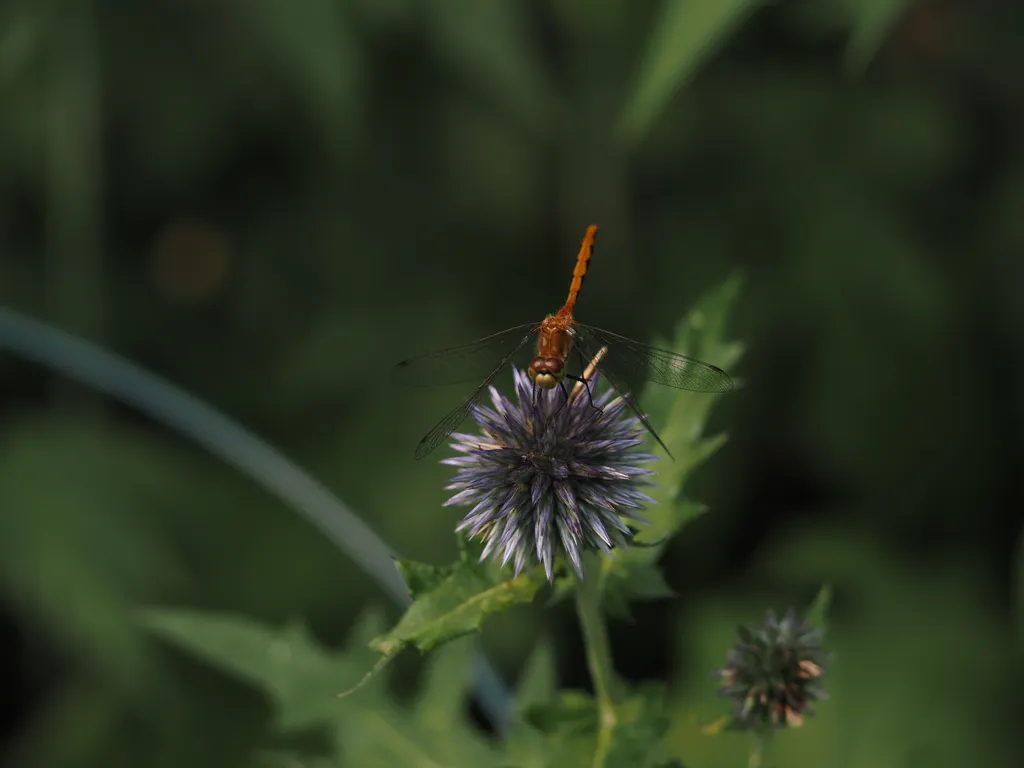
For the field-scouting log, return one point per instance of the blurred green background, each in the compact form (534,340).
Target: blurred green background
(270,202)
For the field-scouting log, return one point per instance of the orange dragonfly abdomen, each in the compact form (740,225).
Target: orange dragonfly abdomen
(580,271)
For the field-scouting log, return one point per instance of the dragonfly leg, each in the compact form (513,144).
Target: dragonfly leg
(565,402)
(586,386)
(584,382)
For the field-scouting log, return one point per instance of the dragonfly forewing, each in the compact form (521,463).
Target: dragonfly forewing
(658,365)
(457,415)
(591,346)
(470,362)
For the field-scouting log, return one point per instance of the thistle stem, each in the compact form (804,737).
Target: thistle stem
(598,649)
(762,746)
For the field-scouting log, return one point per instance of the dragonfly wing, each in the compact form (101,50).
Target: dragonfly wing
(449,423)
(469,362)
(591,345)
(659,365)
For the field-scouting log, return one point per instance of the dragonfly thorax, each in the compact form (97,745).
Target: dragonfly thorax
(554,341)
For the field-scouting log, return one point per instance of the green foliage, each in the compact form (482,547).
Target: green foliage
(316,50)
(624,728)
(898,651)
(686,32)
(642,722)
(487,43)
(384,174)
(817,611)
(870,22)
(303,680)
(67,525)
(453,601)
(680,418)
(1019,590)
(569,721)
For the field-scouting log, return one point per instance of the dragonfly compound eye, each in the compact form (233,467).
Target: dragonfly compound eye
(546,372)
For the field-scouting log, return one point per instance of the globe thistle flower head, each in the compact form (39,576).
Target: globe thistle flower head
(773,673)
(549,477)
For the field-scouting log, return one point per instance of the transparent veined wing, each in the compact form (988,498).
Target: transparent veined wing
(590,345)
(470,362)
(457,415)
(658,365)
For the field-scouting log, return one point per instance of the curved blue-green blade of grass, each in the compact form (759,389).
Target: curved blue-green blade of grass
(180,411)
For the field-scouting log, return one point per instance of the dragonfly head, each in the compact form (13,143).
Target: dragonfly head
(546,372)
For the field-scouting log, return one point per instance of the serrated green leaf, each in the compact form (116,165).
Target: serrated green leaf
(681,419)
(686,33)
(421,577)
(453,601)
(665,525)
(701,334)
(817,612)
(301,677)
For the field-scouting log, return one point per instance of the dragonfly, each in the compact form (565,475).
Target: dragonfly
(555,337)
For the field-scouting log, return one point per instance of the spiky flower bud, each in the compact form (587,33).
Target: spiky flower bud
(773,673)
(550,477)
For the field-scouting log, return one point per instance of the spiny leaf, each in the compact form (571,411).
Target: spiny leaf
(453,601)
(701,334)
(685,34)
(682,417)
(302,678)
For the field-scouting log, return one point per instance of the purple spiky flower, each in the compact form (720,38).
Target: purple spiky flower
(549,478)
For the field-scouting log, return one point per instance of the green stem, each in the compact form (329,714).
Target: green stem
(599,656)
(763,740)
